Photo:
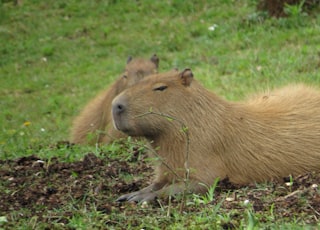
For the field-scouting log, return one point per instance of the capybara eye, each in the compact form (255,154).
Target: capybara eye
(125,76)
(160,88)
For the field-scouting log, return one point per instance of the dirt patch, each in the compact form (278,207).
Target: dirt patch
(42,185)
(293,198)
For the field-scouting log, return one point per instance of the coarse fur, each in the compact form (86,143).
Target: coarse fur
(93,125)
(269,136)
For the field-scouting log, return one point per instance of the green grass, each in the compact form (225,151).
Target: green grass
(56,55)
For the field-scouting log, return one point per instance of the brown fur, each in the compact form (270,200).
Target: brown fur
(95,118)
(266,137)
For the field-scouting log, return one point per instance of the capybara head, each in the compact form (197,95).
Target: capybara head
(96,115)
(162,94)
(136,69)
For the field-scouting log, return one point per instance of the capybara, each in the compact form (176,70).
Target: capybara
(271,136)
(93,125)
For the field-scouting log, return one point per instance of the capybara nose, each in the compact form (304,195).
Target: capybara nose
(118,108)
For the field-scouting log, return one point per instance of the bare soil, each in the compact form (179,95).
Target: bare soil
(42,185)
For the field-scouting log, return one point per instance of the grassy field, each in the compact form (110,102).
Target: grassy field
(57,55)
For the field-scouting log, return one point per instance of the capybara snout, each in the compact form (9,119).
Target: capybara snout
(118,110)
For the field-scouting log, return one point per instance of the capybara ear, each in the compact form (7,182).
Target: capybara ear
(186,77)
(155,60)
(129,59)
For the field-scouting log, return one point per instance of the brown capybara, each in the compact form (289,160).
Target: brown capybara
(95,119)
(267,137)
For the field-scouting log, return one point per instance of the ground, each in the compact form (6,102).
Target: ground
(34,188)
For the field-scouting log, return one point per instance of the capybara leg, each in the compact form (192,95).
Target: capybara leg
(150,193)
(181,187)
(143,194)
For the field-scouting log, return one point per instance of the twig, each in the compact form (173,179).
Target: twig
(185,130)
(314,211)
(162,160)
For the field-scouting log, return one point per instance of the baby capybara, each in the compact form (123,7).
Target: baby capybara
(267,137)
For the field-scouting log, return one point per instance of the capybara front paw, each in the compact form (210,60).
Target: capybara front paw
(137,197)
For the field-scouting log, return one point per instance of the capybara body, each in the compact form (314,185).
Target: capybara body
(269,136)
(93,125)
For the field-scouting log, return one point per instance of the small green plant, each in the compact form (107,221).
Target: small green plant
(209,196)
(252,222)
(19,139)
(48,51)
(294,10)
(3,220)
(290,183)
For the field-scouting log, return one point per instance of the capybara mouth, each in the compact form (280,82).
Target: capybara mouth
(119,124)
(116,122)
